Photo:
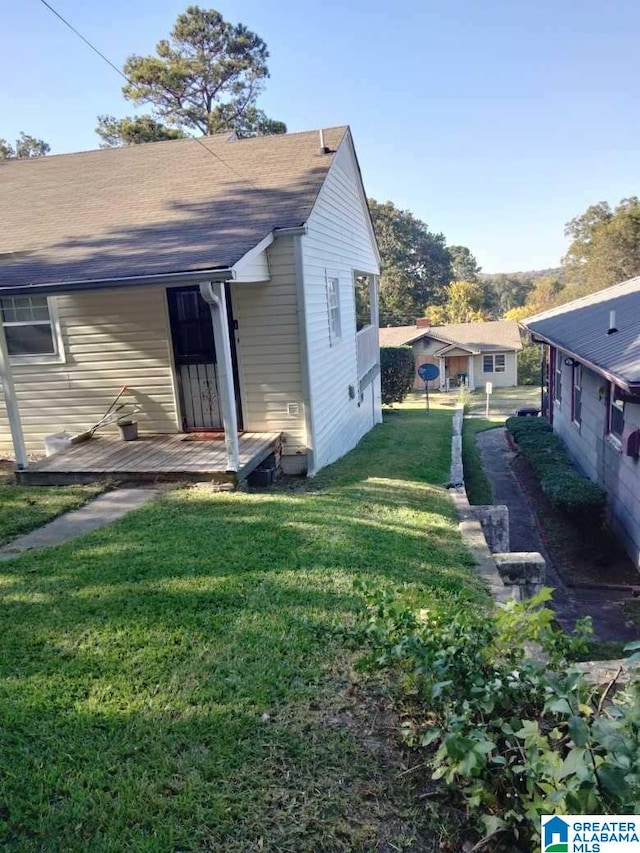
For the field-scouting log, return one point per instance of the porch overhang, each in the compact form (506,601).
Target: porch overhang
(252,267)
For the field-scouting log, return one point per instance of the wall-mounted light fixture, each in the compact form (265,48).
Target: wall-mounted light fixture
(571,362)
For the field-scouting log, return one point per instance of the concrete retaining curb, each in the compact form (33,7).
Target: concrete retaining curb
(523,573)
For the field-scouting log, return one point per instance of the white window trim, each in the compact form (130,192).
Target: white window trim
(492,356)
(575,371)
(615,440)
(557,379)
(334,337)
(372,299)
(57,357)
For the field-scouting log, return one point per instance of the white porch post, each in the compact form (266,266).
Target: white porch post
(11,402)
(443,380)
(471,379)
(213,293)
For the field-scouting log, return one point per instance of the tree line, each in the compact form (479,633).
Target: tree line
(204,78)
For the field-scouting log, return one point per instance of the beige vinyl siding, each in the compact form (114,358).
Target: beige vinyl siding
(111,338)
(268,345)
(338,241)
(500,380)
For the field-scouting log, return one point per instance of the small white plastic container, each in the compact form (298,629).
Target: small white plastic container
(56,442)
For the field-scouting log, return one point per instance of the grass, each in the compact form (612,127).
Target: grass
(23,508)
(503,401)
(172,681)
(476,481)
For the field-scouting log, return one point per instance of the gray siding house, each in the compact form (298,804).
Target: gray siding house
(592,351)
(471,352)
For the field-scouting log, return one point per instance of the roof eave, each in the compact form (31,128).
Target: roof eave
(626,385)
(173,278)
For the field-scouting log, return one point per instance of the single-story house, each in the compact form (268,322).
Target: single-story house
(473,353)
(230,284)
(592,354)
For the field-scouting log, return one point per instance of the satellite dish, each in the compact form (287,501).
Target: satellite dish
(428,372)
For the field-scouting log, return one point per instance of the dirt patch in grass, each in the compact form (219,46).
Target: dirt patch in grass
(353,786)
(581,560)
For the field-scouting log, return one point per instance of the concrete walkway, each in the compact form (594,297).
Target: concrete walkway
(569,603)
(97,513)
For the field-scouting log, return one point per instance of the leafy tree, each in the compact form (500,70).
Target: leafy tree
(529,363)
(205,77)
(25,146)
(416,264)
(464,305)
(502,292)
(605,247)
(519,313)
(133,131)
(463,264)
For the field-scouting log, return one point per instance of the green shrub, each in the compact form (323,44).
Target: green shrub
(396,373)
(513,736)
(526,426)
(571,492)
(529,365)
(567,489)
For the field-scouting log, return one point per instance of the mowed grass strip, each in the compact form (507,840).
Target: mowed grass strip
(476,481)
(164,679)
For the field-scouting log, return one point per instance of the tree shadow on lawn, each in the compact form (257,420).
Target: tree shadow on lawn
(138,661)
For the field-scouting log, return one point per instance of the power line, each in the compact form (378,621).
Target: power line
(124,77)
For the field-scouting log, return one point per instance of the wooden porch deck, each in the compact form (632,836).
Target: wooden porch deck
(151,458)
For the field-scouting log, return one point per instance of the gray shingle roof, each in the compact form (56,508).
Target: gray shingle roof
(580,327)
(154,209)
(495,336)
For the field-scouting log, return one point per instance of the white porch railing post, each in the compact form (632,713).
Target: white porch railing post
(214,294)
(11,403)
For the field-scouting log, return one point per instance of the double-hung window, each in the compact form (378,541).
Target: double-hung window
(494,363)
(557,376)
(576,394)
(333,306)
(29,327)
(616,415)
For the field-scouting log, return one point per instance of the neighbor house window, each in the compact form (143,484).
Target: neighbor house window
(494,363)
(557,376)
(616,414)
(333,304)
(576,394)
(362,287)
(29,326)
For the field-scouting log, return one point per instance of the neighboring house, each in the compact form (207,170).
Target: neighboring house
(471,352)
(592,348)
(230,284)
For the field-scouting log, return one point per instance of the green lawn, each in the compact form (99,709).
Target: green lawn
(23,508)
(504,401)
(139,663)
(476,482)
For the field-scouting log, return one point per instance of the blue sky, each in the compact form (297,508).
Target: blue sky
(495,121)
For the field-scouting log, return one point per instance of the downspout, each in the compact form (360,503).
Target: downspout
(11,402)
(214,295)
(304,354)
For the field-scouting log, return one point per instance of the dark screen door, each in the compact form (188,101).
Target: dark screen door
(195,359)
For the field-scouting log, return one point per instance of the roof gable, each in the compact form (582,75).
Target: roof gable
(160,208)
